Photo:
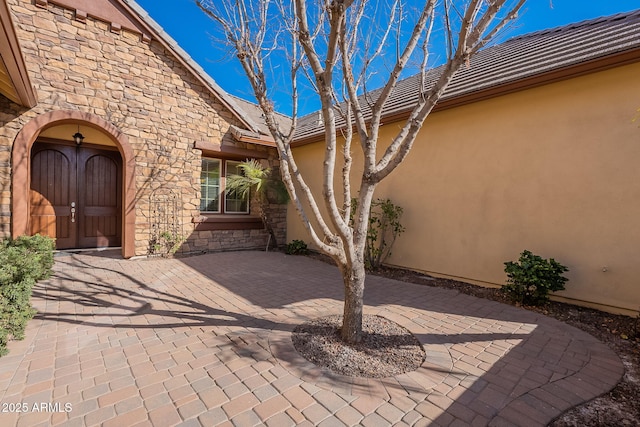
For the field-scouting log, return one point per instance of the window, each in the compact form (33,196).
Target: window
(212,188)
(210,185)
(234,202)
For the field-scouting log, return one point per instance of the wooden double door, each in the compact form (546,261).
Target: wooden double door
(76,195)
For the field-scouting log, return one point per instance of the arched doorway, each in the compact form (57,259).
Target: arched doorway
(76,194)
(82,195)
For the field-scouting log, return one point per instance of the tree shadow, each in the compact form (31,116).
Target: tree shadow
(97,296)
(507,365)
(487,363)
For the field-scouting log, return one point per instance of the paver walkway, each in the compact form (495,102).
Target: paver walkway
(205,341)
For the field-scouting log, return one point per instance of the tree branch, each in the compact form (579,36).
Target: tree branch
(470,39)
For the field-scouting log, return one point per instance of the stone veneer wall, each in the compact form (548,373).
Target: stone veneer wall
(220,240)
(140,88)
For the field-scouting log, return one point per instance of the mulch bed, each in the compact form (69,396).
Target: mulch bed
(386,349)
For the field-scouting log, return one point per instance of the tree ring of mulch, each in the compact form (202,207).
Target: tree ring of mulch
(387,349)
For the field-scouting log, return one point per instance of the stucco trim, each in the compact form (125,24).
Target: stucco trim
(242,135)
(11,55)
(21,170)
(214,149)
(106,11)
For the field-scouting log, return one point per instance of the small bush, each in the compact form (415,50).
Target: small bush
(23,261)
(165,244)
(384,227)
(530,280)
(296,247)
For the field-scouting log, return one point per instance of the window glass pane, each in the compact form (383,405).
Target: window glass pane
(234,202)
(210,185)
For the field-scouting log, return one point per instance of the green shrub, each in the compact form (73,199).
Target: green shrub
(23,261)
(296,247)
(530,280)
(384,227)
(165,244)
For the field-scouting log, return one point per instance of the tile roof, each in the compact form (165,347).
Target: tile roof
(256,115)
(537,57)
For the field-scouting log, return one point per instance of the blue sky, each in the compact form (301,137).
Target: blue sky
(184,21)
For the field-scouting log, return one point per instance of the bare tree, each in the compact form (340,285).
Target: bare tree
(343,48)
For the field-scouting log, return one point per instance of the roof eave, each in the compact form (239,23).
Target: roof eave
(14,61)
(575,70)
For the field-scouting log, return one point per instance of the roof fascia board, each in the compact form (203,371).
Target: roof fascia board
(242,135)
(13,59)
(216,149)
(553,76)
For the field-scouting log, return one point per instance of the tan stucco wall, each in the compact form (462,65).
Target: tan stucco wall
(65,133)
(140,88)
(552,169)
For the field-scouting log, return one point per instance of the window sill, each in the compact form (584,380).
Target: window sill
(206,222)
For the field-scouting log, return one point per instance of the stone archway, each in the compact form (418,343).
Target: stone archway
(21,174)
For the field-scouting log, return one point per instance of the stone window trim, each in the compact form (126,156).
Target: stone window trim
(205,222)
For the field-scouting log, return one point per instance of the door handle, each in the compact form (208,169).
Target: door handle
(73,211)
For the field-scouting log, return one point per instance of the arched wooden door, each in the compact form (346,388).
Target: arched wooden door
(76,195)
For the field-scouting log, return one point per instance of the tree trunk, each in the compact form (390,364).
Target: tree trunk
(353,277)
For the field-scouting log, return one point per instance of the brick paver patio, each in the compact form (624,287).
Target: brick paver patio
(205,341)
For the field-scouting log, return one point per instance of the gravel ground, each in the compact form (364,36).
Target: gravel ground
(387,349)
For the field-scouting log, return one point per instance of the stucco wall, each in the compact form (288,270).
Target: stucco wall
(137,86)
(9,127)
(552,169)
